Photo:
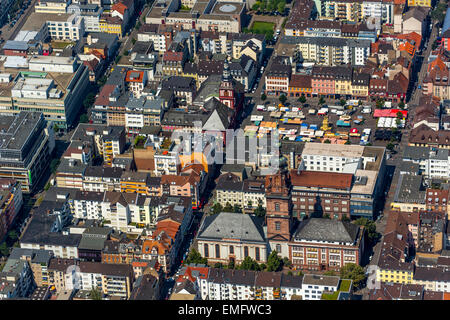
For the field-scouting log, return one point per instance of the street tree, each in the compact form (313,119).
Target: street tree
(282,98)
(321,100)
(302,99)
(195,257)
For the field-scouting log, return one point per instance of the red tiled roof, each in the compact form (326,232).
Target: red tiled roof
(173,56)
(103,97)
(119,7)
(131,76)
(321,179)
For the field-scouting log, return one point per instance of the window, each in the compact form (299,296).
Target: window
(277,206)
(257,257)
(231,250)
(245,251)
(206,249)
(217,251)
(278,248)
(277,225)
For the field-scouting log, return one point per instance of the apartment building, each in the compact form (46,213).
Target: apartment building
(11,201)
(433,162)
(102,179)
(38,261)
(16,278)
(324,244)
(432,278)
(223,284)
(229,236)
(59,26)
(27,143)
(51,6)
(330,51)
(420,3)
(366,164)
(113,280)
(124,251)
(247,194)
(277,77)
(320,193)
(44,231)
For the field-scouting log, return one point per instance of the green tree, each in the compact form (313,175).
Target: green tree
(237,208)
(89,100)
(260,211)
(263,97)
(287,263)
(195,257)
(302,99)
(300,274)
(231,264)
(281,6)
(138,26)
(96,294)
(282,98)
(256,6)
(321,100)
(290,273)
(370,227)
(117,59)
(228,207)
(263,6)
(329,273)
(399,115)
(249,264)
(47,186)
(353,272)
(401,105)
(269,35)
(4,250)
(133,41)
(218,265)
(390,146)
(217,208)
(327,141)
(380,103)
(342,102)
(274,262)
(345,218)
(347,142)
(84,118)
(54,165)
(13,236)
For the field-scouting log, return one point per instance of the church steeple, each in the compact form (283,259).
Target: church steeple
(227,94)
(226,74)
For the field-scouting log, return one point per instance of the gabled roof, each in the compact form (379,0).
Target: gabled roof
(227,225)
(321,229)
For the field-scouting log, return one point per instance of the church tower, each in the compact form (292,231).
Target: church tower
(227,93)
(278,213)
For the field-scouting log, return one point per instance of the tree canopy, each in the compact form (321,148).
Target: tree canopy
(195,257)
(354,272)
(249,264)
(274,262)
(371,228)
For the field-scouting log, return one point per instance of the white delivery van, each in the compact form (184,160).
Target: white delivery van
(260,107)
